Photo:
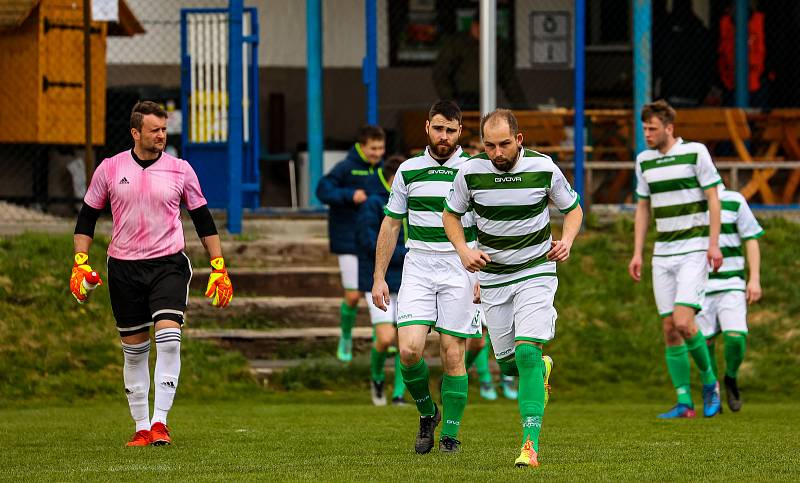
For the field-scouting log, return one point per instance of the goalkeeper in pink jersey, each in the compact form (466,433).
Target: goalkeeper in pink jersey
(148,272)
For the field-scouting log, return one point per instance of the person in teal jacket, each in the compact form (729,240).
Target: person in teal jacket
(370,217)
(344,189)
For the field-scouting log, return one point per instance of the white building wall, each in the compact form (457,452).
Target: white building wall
(283,32)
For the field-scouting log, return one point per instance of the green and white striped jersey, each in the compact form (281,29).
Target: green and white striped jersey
(738,223)
(418,192)
(674,182)
(511,212)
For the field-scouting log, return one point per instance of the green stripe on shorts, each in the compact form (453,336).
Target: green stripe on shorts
(429,323)
(459,334)
(531,339)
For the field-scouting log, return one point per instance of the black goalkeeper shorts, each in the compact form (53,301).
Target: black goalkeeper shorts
(145,291)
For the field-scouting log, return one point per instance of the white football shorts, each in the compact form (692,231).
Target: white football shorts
(378,316)
(521,311)
(679,280)
(437,291)
(723,312)
(348,266)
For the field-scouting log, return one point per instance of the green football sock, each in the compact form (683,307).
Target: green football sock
(399,385)
(508,366)
(482,365)
(377,361)
(348,320)
(712,355)
(469,358)
(531,392)
(454,400)
(697,348)
(735,344)
(416,379)
(679,371)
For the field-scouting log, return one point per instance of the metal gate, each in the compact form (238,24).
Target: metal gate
(212,74)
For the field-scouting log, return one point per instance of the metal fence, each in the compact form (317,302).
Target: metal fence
(426,49)
(134,55)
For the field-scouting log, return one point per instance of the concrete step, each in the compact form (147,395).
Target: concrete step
(285,281)
(301,343)
(267,253)
(271,312)
(280,227)
(264,369)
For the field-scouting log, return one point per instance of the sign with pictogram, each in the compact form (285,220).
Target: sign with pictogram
(551,39)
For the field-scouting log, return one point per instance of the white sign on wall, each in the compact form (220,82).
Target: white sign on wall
(105,10)
(550,39)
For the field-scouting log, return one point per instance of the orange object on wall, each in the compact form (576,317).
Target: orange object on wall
(756,51)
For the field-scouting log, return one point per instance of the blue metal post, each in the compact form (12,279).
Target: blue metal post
(580,75)
(314,95)
(370,67)
(252,150)
(186,79)
(642,22)
(235,116)
(741,64)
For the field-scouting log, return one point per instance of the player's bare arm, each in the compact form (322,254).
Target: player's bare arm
(560,249)
(387,240)
(213,246)
(714,224)
(640,225)
(82,243)
(753,289)
(472,259)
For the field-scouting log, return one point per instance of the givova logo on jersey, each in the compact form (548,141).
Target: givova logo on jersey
(508,179)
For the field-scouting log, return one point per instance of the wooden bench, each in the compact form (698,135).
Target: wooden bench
(543,131)
(539,129)
(711,126)
(781,135)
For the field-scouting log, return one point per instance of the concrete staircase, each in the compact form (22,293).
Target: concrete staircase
(285,310)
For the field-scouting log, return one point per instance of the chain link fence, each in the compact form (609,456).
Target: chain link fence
(135,55)
(427,49)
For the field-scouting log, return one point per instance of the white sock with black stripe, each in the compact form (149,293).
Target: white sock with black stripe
(168,368)
(136,374)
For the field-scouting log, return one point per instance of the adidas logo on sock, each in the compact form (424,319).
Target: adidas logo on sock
(124,181)
(169,384)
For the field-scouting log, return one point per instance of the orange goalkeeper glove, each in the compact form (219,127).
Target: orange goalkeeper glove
(83,279)
(219,288)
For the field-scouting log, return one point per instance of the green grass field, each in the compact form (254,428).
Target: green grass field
(343,438)
(63,415)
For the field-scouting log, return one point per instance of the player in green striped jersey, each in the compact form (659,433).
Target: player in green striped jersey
(680,181)
(435,292)
(509,188)
(727,293)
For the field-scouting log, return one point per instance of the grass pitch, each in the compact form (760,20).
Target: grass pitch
(343,438)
